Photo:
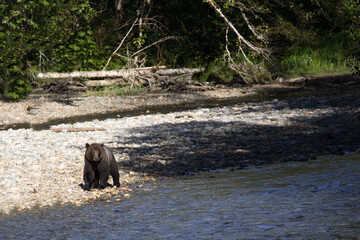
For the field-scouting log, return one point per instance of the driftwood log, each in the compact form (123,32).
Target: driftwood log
(85,129)
(103,83)
(154,78)
(123,73)
(65,85)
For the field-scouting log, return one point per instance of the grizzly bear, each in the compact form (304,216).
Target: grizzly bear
(99,164)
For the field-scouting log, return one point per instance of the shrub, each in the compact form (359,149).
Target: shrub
(42,35)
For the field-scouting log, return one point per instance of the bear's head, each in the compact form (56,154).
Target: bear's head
(94,152)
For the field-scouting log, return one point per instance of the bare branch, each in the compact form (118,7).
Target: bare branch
(154,24)
(121,43)
(241,39)
(264,52)
(118,5)
(154,43)
(231,62)
(259,36)
(127,58)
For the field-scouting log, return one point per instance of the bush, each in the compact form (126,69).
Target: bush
(42,36)
(17,87)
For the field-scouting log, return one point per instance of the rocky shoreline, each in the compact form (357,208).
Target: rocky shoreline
(43,108)
(44,168)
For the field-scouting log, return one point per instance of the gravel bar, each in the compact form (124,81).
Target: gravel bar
(44,168)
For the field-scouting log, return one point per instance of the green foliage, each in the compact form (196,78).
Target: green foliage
(42,35)
(78,53)
(303,36)
(202,33)
(354,59)
(328,58)
(350,12)
(17,87)
(219,68)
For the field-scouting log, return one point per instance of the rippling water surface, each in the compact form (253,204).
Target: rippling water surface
(304,200)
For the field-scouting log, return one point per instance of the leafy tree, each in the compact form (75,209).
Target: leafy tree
(349,14)
(42,35)
(72,35)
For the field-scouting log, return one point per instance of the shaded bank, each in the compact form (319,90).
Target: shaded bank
(325,125)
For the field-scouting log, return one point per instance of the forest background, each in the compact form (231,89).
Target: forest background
(251,39)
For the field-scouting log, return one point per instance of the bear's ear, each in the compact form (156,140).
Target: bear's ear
(87,145)
(102,145)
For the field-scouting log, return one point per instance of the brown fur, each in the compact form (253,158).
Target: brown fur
(99,164)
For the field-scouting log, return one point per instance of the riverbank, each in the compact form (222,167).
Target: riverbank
(44,168)
(40,109)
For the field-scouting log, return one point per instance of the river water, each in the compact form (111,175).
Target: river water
(319,199)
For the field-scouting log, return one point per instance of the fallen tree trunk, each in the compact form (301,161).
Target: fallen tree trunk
(65,85)
(153,78)
(174,83)
(123,73)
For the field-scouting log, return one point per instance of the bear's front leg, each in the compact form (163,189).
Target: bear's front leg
(88,184)
(103,179)
(96,179)
(88,177)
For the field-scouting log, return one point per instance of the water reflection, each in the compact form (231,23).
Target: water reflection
(304,200)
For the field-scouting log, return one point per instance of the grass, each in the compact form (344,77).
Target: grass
(116,90)
(325,59)
(219,68)
(328,59)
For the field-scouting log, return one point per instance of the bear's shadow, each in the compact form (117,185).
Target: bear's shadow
(82,186)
